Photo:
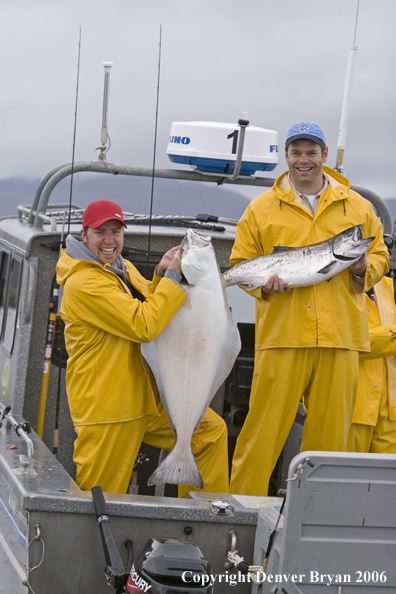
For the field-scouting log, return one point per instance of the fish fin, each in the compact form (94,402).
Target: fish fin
(282,248)
(150,355)
(247,286)
(232,282)
(178,468)
(327,268)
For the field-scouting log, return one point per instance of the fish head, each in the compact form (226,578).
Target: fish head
(350,245)
(196,252)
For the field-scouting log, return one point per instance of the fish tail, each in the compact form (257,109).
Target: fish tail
(178,468)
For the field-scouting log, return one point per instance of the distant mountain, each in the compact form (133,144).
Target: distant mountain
(132,193)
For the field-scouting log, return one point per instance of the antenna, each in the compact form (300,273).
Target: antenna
(154,154)
(346,101)
(104,133)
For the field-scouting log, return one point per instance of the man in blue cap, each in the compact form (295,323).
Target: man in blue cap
(307,339)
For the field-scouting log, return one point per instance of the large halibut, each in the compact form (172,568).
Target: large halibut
(192,356)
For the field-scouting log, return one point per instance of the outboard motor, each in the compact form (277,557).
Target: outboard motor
(170,565)
(164,566)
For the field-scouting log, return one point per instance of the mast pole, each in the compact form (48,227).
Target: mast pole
(104,132)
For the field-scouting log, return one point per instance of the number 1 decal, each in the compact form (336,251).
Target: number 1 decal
(234,135)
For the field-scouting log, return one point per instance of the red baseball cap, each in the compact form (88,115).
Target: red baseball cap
(101,211)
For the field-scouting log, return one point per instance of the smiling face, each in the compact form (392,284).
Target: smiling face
(106,241)
(305,159)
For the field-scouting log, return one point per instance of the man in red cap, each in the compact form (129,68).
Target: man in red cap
(109,309)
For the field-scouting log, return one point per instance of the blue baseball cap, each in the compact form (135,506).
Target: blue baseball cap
(307,130)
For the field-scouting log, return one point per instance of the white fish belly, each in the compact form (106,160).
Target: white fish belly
(188,351)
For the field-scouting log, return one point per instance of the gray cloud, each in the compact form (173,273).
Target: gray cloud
(281,61)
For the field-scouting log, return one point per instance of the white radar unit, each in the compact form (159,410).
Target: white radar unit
(212,146)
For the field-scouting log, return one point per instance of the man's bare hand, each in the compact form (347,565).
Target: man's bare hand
(175,264)
(275,285)
(168,258)
(359,267)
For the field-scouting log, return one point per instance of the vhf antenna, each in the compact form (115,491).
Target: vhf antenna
(104,135)
(346,102)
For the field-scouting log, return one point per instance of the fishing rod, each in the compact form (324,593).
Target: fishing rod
(74,134)
(346,101)
(55,440)
(154,155)
(53,309)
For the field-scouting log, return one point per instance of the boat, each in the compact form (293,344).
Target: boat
(48,526)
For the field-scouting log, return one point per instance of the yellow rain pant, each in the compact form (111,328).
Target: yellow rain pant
(105,454)
(327,378)
(379,438)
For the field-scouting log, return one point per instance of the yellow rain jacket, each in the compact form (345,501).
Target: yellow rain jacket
(331,313)
(382,325)
(106,379)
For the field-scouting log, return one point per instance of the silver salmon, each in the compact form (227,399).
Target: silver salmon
(192,356)
(302,266)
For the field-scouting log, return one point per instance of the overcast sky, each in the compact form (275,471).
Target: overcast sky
(282,61)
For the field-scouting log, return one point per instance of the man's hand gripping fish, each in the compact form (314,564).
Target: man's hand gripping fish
(192,356)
